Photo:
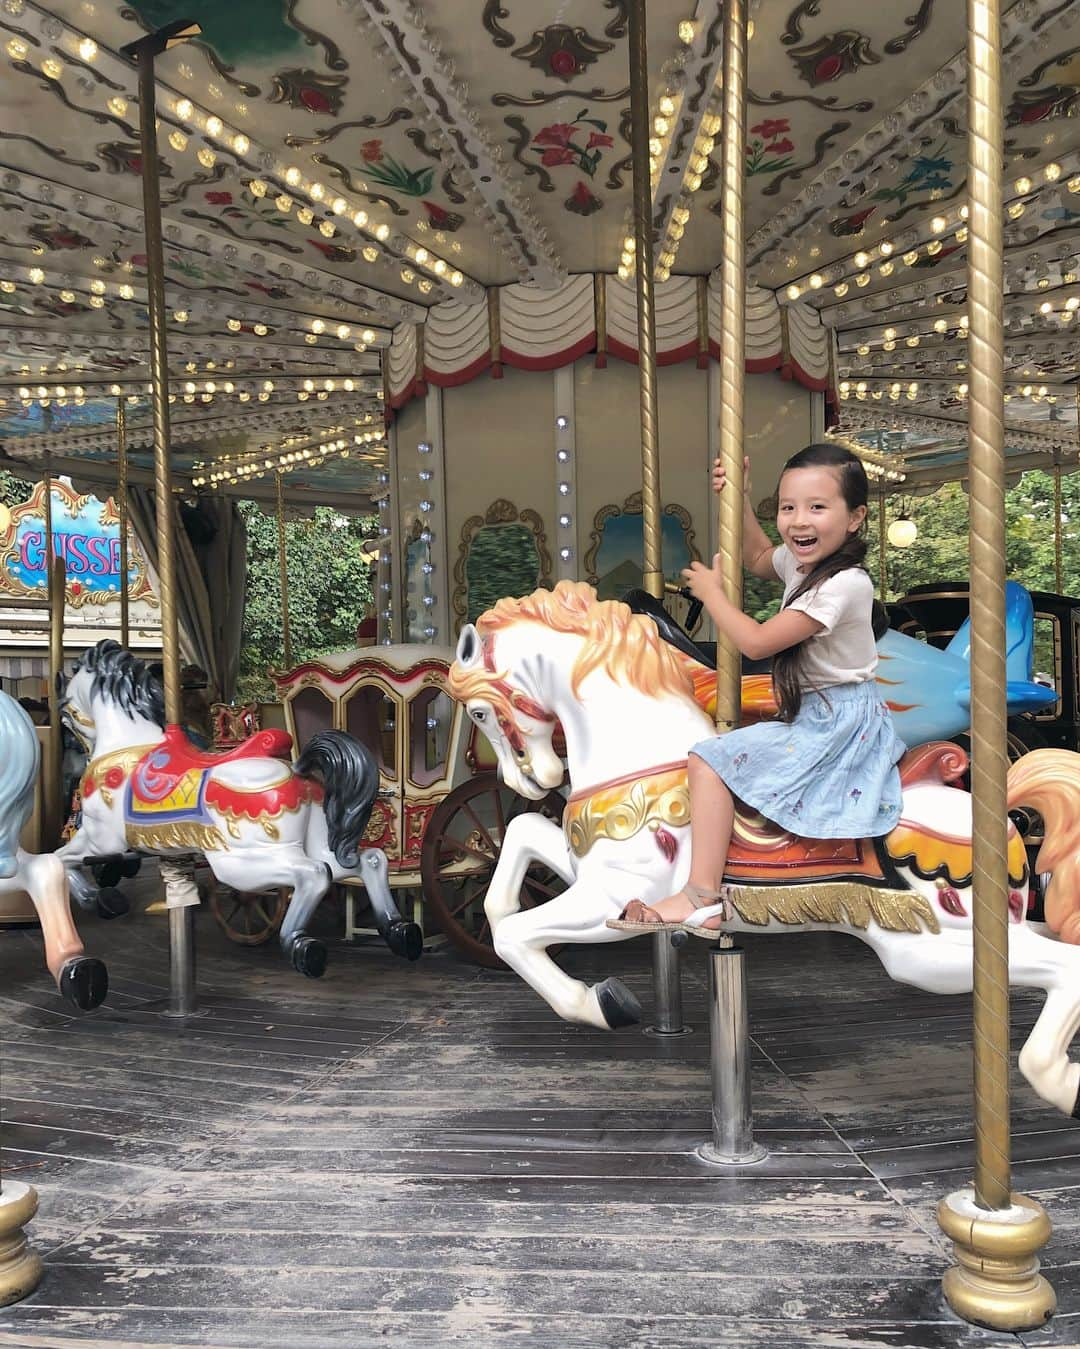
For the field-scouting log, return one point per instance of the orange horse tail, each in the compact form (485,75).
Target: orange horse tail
(1049,781)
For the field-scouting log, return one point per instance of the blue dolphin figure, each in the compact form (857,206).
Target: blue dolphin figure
(929,690)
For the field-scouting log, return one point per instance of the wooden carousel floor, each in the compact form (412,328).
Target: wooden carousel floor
(424,1155)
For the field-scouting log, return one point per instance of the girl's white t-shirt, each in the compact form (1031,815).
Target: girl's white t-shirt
(844,651)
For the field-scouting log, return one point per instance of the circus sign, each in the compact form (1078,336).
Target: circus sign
(86,534)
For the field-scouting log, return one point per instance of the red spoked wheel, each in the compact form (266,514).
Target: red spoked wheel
(457,860)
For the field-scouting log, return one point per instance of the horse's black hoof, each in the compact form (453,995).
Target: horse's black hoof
(111,903)
(308,956)
(679,939)
(618,1004)
(129,867)
(405,939)
(106,873)
(84,982)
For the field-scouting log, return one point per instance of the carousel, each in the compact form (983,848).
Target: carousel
(509,283)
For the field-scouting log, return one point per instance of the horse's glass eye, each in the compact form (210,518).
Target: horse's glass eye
(478,715)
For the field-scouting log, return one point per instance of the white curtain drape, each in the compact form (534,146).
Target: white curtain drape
(211,574)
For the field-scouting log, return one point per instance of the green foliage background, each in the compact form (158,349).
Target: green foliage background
(329,591)
(940,553)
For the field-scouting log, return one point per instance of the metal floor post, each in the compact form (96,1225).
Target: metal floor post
(182,997)
(667,989)
(732,1142)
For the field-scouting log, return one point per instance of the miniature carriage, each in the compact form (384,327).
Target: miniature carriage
(441,812)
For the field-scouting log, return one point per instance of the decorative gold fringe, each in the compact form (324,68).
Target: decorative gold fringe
(843,902)
(190,837)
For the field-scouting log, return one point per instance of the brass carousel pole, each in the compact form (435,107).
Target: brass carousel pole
(667,992)
(732,351)
(1059,568)
(883,574)
(653,571)
(51,771)
(283,572)
(995,1232)
(122,512)
(143,52)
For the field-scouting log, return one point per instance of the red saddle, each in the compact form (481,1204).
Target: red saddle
(183,755)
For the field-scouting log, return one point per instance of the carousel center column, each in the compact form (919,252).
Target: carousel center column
(995,1232)
(180,891)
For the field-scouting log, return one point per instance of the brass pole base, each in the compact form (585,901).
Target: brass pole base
(20,1265)
(997,1281)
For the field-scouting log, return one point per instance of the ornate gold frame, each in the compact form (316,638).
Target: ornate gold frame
(632,506)
(500,512)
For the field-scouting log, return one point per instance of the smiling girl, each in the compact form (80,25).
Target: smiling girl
(827,767)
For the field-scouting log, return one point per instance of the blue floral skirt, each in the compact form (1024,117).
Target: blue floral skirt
(831,773)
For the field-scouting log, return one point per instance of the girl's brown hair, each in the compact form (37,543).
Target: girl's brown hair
(855,491)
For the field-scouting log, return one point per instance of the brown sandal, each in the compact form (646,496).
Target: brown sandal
(698,897)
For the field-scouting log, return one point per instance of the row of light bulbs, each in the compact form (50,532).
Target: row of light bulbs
(309,457)
(98,297)
(315,191)
(884,253)
(239,144)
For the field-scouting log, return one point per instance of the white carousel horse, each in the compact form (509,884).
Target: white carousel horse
(81,979)
(626,702)
(259,822)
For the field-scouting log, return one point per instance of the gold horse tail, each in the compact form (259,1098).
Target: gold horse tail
(1049,781)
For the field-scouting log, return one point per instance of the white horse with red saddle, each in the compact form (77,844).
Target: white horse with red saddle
(260,821)
(630,706)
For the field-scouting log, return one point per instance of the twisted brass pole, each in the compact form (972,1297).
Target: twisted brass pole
(283,572)
(732,350)
(1059,569)
(159,376)
(653,571)
(52,774)
(995,1233)
(883,579)
(986,366)
(122,512)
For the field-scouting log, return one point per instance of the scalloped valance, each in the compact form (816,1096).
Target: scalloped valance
(533,329)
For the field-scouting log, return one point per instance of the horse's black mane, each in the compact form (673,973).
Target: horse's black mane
(124,678)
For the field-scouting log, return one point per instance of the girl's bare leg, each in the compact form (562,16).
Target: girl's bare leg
(712,816)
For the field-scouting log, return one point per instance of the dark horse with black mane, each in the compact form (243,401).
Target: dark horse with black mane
(259,821)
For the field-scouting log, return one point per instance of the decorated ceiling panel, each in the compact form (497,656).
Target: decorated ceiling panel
(331,173)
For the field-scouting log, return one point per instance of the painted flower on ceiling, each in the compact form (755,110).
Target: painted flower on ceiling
(59,237)
(219,198)
(124,157)
(560,143)
(318,94)
(582,201)
(384,169)
(334,252)
(441,219)
(928,173)
(768,139)
(1043,105)
(833,55)
(562,51)
(849,225)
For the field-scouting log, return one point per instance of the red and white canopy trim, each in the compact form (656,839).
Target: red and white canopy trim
(532,329)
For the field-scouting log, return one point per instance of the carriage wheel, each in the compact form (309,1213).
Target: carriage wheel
(460,849)
(248,918)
